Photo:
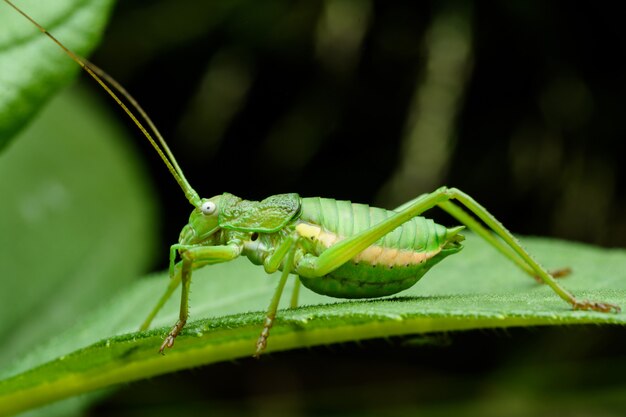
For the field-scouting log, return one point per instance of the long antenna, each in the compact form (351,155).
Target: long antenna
(105,80)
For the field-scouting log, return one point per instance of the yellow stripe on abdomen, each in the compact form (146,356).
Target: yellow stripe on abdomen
(373,255)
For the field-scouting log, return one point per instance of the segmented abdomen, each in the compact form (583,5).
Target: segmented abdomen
(393,263)
(347,219)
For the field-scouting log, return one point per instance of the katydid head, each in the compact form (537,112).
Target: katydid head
(229,212)
(203,222)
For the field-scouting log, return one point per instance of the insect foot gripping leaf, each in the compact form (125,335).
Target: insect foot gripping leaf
(595,306)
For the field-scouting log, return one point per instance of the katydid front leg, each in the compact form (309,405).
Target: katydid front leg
(175,278)
(195,257)
(343,251)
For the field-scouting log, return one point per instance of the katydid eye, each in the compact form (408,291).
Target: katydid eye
(208,207)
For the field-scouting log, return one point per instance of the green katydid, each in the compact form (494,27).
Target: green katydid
(335,248)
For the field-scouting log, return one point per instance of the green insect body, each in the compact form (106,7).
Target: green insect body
(336,248)
(394,263)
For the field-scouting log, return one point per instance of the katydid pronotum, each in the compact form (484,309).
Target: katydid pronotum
(335,248)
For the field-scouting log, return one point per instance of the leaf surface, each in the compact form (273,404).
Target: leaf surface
(77,222)
(475,289)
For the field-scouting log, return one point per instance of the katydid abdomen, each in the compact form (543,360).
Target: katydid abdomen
(392,264)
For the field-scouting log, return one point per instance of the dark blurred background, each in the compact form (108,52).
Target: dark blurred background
(518,103)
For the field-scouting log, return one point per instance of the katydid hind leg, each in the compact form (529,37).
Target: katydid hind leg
(508,238)
(471,223)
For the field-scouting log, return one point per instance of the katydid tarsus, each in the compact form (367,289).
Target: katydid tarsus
(332,247)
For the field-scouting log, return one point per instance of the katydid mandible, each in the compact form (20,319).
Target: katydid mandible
(336,248)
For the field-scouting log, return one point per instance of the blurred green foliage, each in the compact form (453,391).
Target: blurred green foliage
(24,88)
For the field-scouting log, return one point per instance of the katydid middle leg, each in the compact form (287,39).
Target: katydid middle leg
(343,251)
(283,255)
(295,293)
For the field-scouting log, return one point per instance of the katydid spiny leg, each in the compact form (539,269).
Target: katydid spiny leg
(192,258)
(175,279)
(466,219)
(512,241)
(184,306)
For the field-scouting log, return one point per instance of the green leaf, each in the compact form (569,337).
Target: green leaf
(77,221)
(475,289)
(33,68)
